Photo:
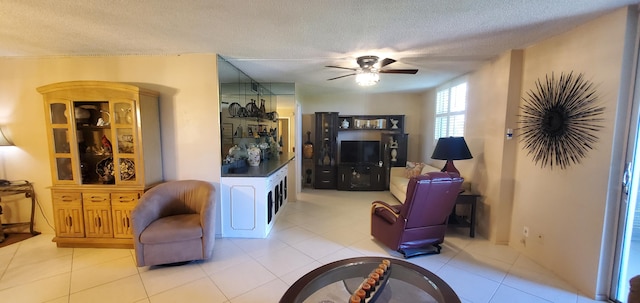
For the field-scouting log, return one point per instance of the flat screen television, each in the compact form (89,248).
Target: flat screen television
(360,151)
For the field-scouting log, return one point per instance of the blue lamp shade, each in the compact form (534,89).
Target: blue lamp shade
(451,148)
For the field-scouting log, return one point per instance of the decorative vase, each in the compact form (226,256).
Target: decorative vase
(394,123)
(326,160)
(308,172)
(345,123)
(307,151)
(253,156)
(263,109)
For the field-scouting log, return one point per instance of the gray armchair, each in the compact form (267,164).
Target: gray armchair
(175,222)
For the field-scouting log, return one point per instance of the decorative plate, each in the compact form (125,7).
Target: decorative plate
(127,169)
(234,109)
(252,109)
(104,169)
(243,112)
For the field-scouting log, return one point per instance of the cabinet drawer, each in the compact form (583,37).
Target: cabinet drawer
(325,171)
(95,198)
(325,178)
(125,198)
(66,197)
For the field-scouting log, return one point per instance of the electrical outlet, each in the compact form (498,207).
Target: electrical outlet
(525,231)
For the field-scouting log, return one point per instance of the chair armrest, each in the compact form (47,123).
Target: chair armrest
(385,211)
(392,208)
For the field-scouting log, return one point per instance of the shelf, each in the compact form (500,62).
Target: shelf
(92,127)
(256,119)
(391,123)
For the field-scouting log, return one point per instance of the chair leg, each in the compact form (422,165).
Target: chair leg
(413,252)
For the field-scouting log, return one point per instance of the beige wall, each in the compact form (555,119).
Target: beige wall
(189,110)
(493,98)
(567,207)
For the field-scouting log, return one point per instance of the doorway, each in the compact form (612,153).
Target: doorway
(284,135)
(627,251)
(627,263)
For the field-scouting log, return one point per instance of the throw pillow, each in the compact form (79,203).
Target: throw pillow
(413,169)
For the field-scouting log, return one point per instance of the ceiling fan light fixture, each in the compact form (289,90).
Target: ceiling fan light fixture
(367,77)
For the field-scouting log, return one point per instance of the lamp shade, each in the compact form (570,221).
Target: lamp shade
(451,148)
(4,141)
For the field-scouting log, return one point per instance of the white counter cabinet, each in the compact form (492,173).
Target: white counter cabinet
(251,204)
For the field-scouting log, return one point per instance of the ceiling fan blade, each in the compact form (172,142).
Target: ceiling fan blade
(399,71)
(349,68)
(386,61)
(341,77)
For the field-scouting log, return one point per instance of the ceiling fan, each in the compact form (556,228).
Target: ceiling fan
(367,73)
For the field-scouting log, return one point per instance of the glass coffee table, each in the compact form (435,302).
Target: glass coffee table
(344,280)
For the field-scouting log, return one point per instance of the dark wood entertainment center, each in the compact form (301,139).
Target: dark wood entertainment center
(330,173)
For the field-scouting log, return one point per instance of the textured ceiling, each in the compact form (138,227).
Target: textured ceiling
(292,41)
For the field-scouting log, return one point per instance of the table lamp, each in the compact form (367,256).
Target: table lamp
(451,148)
(4,141)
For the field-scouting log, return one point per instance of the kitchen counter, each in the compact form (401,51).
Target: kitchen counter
(266,168)
(251,202)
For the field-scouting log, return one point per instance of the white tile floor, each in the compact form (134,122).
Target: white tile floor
(320,227)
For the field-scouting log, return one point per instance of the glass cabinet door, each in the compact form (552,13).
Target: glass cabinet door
(94,142)
(93,133)
(126,138)
(61,137)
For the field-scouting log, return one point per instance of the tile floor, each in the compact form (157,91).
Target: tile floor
(318,228)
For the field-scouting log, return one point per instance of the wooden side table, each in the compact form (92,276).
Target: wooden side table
(468,219)
(25,188)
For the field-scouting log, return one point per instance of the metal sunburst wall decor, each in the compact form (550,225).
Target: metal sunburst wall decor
(559,120)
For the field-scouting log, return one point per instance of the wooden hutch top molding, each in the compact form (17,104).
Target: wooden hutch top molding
(111,86)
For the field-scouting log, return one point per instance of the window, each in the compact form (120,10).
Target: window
(451,103)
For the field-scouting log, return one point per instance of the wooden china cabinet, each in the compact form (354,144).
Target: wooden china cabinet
(98,133)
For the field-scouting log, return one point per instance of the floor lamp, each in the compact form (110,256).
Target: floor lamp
(451,148)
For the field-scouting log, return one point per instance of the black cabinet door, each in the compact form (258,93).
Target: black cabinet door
(344,177)
(395,149)
(361,177)
(378,178)
(326,150)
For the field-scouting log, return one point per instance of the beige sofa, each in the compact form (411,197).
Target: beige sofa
(398,180)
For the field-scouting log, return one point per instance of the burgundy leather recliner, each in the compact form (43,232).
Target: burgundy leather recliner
(418,226)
